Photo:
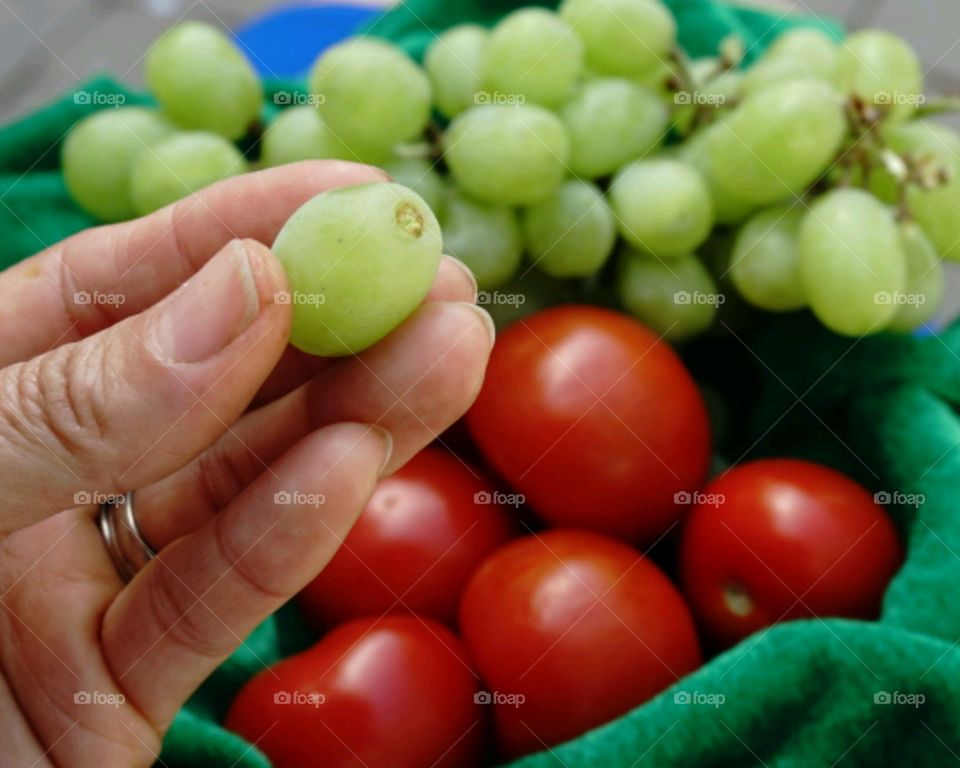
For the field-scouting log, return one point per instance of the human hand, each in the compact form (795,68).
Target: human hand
(190,396)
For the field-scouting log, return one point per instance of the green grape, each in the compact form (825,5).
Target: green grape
(850,258)
(807,43)
(729,207)
(631,38)
(724,88)
(925,139)
(882,69)
(676,298)
(203,81)
(98,154)
(534,55)
(528,293)
(372,95)
(778,141)
(507,155)
(359,260)
(572,233)
(180,165)
(299,133)
(764,265)
(487,238)
(423,178)
(936,210)
(454,64)
(772,73)
(938,213)
(662,206)
(925,285)
(371,155)
(797,54)
(611,122)
(880,182)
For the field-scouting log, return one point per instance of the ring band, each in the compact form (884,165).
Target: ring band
(122,537)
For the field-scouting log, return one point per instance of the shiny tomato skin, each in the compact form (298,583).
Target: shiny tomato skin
(581,626)
(779,539)
(422,534)
(397,692)
(595,420)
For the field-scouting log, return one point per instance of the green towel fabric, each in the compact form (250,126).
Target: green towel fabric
(810,693)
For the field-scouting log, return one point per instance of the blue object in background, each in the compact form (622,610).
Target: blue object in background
(287,40)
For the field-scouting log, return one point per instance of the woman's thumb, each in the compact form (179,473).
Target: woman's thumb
(139,400)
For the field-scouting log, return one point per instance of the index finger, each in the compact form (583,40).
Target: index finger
(101,276)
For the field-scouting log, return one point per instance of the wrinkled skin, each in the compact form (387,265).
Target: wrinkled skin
(191,396)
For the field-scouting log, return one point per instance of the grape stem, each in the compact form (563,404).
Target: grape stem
(939,106)
(870,151)
(683,80)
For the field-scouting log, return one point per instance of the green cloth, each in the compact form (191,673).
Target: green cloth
(884,410)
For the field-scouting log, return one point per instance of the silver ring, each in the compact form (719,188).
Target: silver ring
(122,537)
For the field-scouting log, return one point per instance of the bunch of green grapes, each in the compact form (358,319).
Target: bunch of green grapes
(845,213)
(544,109)
(655,151)
(127,162)
(578,149)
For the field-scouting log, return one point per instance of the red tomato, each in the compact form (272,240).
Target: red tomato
(424,531)
(784,539)
(594,420)
(569,630)
(395,692)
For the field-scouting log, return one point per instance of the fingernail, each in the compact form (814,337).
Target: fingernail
(468,273)
(484,317)
(211,309)
(387,439)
